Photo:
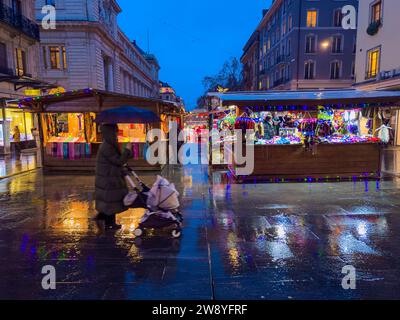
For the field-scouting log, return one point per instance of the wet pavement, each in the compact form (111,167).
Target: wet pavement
(11,165)
(251,241)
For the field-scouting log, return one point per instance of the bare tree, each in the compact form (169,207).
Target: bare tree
(229,77)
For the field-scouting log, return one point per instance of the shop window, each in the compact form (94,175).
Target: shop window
(311,43)
(337,44)
(309,70)
(312,18)
(376,12)
(335,69)
(373,57)
(20,62)
(19,121)
(29,125)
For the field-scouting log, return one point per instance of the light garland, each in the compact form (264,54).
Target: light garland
(306,107)
(58,94)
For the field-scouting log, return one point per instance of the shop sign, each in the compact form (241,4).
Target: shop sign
(32,92)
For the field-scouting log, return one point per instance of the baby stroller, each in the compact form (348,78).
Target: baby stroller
(161,202)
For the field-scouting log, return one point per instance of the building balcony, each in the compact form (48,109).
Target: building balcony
(19,22)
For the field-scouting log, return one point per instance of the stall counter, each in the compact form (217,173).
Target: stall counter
(322,161)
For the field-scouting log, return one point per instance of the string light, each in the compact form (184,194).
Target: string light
(307,107)
(24,101)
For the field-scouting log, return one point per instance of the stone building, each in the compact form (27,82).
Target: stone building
(378,45)
(301,45)
(88,49)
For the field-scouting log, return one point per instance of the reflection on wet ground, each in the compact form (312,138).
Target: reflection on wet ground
(263,241)
(391,161)
(10,165)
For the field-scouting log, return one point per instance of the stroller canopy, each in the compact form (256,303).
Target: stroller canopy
(163,195)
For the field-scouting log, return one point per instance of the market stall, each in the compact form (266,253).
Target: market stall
(70,136)
(312,135)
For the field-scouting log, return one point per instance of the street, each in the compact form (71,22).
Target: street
(250,241)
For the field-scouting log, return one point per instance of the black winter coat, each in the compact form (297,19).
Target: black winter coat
(111,187)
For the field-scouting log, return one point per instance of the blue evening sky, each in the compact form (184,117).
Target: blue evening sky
(191,39)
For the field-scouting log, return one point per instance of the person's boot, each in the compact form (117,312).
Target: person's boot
(111,224)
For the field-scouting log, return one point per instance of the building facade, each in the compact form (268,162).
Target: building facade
(302,45)
(249,61)
(88,49)
(19,60)
(378,47)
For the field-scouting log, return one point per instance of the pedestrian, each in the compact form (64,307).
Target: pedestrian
(269,130)
(111,187)
(385,132)
(17,141)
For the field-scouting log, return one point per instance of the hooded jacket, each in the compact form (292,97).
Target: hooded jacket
(111,187)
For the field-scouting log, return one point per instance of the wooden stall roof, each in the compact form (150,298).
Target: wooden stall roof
(346,98)
(91,100)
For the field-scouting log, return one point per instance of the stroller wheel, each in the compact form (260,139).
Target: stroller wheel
(176,233)
(138,232)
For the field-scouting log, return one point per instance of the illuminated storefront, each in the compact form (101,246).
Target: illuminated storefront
(16,128)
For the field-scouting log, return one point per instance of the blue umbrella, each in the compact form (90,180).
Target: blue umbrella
(127,114)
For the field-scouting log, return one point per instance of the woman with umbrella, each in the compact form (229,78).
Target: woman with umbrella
(111,186)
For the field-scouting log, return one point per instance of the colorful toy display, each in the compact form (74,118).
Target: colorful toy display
(325,126)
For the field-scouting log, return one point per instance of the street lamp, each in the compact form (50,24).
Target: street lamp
(325,44)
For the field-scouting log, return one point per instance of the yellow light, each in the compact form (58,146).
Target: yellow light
(325,44)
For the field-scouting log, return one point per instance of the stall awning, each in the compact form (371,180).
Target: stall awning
(20,82)
(89,100)
(298,99)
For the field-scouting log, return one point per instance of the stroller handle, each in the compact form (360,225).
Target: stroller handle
(133,173)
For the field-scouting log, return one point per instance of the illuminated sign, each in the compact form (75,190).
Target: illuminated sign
(32,92)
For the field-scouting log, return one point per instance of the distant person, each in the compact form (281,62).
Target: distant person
(269,130)
(17,141)
(385,132)
(111,187)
